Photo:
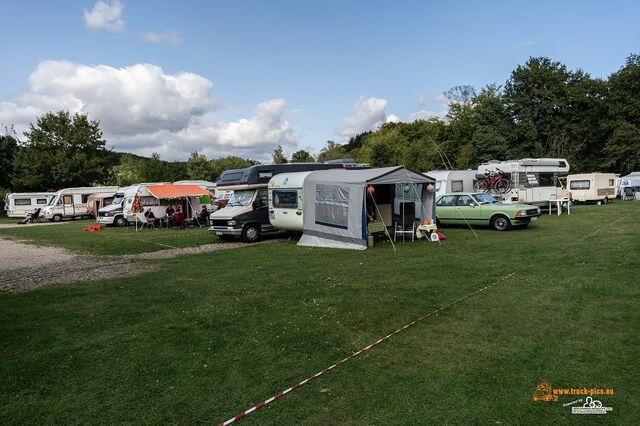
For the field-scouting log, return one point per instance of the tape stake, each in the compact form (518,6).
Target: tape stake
(354,354)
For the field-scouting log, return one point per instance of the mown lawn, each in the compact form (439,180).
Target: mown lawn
(110,241)
(203,337)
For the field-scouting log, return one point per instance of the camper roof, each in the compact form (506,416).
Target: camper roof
(260,174)
(384,175)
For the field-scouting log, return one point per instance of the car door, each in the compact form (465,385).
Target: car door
(446,209)
(467,210)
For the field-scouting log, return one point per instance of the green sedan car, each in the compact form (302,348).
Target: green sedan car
(482,209)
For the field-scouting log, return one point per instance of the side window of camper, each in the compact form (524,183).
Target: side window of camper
(85,198)
(332,205)
(580,184)
(67,199)
(611,183)
(547,179)
(22,201)
(456,186)
(446,201)
(285,198)
(41,201)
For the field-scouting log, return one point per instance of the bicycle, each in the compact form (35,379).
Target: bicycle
(493,181)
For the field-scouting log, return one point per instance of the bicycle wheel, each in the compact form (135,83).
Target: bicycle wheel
(503,186)
(481,185)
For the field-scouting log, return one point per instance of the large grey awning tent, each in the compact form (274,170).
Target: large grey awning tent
(335,203)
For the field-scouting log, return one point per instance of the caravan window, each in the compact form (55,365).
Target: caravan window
(611,182)
(22,202)
(67,199)
(41,201)
(85,198)
(547,179)
(285,198)
(580,184)
(456,186)
(332,205)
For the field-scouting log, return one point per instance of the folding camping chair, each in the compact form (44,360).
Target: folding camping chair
(628,194)
(405,223)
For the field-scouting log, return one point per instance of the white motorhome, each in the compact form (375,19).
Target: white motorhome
(286,200)
(592,187)
(533,180)
(71,203)
(19,204)
(450,181)
(155,196)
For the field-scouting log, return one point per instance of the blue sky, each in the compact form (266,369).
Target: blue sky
(239,77)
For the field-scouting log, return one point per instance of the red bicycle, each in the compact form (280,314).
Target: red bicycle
(493,181)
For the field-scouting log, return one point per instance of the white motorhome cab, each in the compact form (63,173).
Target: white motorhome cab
(71,203)
(592,187)
(19,204)
(286,201)
(450,181)
(533,180)
(114,213)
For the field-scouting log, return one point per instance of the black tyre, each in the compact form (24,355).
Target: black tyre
(57,218)
(480,186)
(251,233)
(503,186)
(500,223)
(120,221)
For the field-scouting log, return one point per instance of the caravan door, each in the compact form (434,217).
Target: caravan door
(68,208)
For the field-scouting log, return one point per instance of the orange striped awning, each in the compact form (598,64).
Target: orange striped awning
(169,190)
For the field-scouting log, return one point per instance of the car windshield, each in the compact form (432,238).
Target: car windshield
(241,198)
(485,199)
(118,199)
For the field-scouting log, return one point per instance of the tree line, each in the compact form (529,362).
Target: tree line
(543,109)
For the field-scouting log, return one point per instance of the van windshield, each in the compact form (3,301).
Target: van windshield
(53,200)
(241,198)
(118,199)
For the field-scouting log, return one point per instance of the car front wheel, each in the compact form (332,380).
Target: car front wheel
(120,221)
(251,233)
(500,223)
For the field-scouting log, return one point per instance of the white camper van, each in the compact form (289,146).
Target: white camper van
(19,204)
(590,187)
(533,180)
(286,201)
(450,181)
(71,203)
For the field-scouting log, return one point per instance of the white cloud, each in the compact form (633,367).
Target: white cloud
(421,102)
(171,37)
(369,114)
(141,109)
(524,44)
(105,15)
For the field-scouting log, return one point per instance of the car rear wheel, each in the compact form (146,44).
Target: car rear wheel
(251,233)
(57,218)
(500,223)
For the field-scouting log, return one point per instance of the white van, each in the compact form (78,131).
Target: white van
(592,187)
(533,180)
(114,213)
(286,201)
(19,204)
(71,203)
(450,181)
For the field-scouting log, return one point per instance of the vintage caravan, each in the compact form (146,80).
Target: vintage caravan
(532,180)
(72,203)
(450,181)
(19,204)
(592,187)
(286,201)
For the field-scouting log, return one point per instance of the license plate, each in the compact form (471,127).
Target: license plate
(218,233)
(534,218)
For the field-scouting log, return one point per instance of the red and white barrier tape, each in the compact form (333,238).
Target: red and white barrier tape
(355,354)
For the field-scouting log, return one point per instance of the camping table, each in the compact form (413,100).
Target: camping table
(424,231)
(558,202)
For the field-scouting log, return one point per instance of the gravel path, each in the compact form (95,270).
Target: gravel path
(25,267)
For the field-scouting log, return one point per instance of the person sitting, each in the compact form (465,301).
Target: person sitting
(170,211)
(178,218)
(151,217)
(203,219)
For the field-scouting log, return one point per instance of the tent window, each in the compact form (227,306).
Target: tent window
(332,205)
(383,194)
(456,186)
(285,198)
(580,184)
(149,201)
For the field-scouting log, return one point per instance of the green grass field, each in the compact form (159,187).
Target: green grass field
(110,241)
(202,337)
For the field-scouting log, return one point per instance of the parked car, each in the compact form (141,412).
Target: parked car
(481,208)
